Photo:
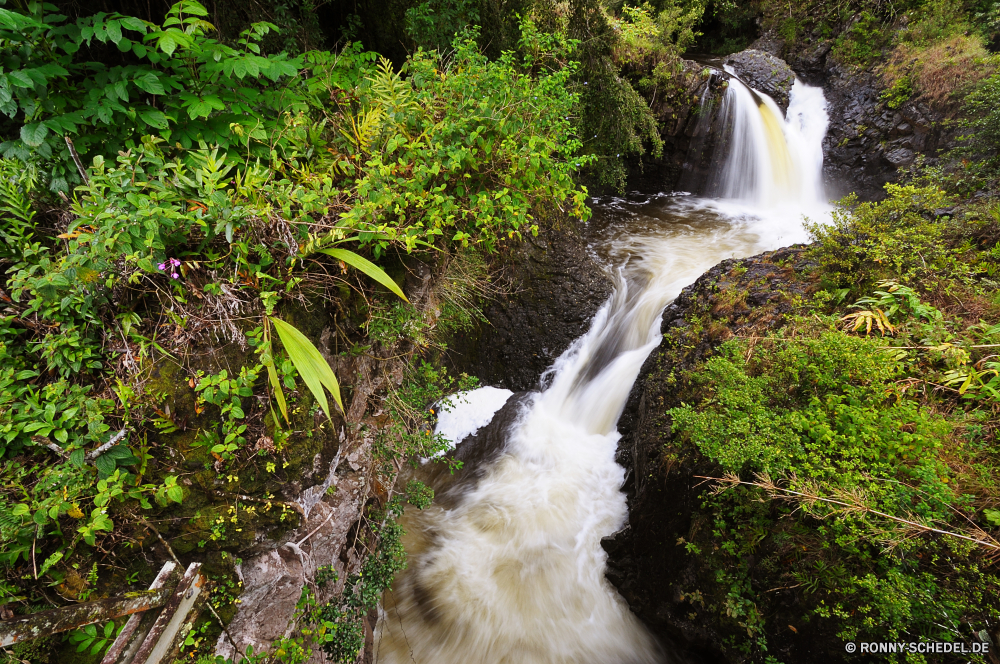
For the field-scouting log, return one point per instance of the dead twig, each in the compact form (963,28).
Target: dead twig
(76,158)
(93,454)
(211,608)
(764,482)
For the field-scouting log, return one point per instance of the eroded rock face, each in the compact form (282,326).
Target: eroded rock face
(868,142)
(764,72)
(555,287)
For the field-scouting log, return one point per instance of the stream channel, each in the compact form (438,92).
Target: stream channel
(506,566)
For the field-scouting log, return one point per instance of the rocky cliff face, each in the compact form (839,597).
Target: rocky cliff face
(554,286)
(866,143)
(765,72)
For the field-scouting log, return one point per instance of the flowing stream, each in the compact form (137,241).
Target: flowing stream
(508,568)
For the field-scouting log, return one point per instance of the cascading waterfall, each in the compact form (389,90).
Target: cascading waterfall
(770,160)
(511,570)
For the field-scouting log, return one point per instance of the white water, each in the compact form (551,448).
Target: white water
(513,572)
(465,413)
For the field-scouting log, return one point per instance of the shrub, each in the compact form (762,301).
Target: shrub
(863,42)
(899,237)
(818,409)
(178,83)
(819,417)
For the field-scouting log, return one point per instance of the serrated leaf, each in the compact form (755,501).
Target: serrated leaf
(153,118)
(118,452)
(34,134)
(114,31)
(167,44)
(314,369)
(105,465)
(20,79)
(149,82)
(366,266)
(14,21)
(133,23)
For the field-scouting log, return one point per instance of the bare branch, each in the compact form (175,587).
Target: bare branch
(854,505)
(93,454)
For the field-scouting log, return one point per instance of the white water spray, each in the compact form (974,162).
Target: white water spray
(512,571)
(772,161)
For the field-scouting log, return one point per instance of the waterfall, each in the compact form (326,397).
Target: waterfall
(771,159)
(510,569)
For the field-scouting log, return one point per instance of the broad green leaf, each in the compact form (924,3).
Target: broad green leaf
(366,266)
(153,118)
(34,134)
(14,21)
(114,31)
(310,364)
(105,464)
(133,23)
(167,44)
(149,82)
(20,79)
(191,7)
(175,493)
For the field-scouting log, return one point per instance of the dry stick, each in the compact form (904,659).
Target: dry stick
(76,158)
(93,454)
(862,508)
(170,550)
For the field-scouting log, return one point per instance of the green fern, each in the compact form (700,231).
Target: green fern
(16,212)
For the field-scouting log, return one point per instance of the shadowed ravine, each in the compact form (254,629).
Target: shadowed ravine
(507,566)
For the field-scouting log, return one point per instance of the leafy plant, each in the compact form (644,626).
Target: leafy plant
(179,87)
(310,363)
(98,639)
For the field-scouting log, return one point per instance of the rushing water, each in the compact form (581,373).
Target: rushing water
(510,570)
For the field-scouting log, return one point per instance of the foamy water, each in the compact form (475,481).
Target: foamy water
(465,413)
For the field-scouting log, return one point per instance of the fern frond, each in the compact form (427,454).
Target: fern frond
(16,212)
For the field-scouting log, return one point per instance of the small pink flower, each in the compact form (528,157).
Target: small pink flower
(161,266)
(175,262)
(174,275)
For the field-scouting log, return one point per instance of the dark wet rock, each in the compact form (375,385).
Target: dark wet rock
(555,287)
(662,582)
(685,117)
(764,72)
(477,453)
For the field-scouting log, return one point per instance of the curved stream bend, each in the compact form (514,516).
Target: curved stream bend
(512,570)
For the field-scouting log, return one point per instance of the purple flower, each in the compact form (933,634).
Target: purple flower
(175,262)
(174,275)
(161,266)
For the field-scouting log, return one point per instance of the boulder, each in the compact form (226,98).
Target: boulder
(765,73)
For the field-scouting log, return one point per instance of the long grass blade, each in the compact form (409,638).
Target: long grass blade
(366,266)
(272,376)
(314,369)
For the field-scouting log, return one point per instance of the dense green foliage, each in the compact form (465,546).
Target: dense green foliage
(857,444)
(218,183)
(824,414)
